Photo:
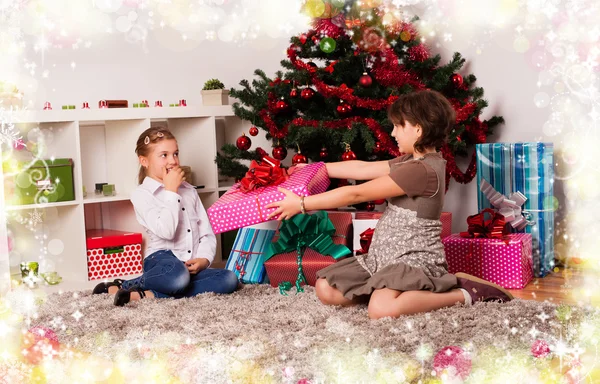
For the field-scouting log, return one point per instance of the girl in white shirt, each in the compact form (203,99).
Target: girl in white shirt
(180,243)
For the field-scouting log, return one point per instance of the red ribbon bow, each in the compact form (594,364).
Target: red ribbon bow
(329,68)
(351,23)
(267,173)
(493,228)
(365,241)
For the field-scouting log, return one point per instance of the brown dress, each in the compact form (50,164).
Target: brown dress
(406,253)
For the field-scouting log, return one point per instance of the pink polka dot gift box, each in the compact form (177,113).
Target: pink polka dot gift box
(113,253)
(506,263)
(237,208)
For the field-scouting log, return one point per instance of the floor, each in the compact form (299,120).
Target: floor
(557,287)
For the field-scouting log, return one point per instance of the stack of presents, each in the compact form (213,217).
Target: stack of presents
(509,241)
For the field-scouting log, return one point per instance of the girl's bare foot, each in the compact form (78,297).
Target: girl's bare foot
(112,290)
(136,295)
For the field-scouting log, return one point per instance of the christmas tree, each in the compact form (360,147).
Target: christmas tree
(340,77)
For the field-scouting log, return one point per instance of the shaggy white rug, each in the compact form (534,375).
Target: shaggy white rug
(259,335)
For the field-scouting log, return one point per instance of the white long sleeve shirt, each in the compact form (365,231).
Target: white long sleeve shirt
(174,221)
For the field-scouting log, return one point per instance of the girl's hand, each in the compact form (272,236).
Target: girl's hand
(296,167)
(172,179)
(286,208)
(196,265)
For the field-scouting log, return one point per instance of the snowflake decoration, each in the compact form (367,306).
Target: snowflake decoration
(8,134)
(35,218)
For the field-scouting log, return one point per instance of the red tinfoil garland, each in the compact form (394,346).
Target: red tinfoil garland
(418,53)
(463,112)
(330,27)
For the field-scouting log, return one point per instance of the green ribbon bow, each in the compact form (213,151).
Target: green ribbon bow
(313,231)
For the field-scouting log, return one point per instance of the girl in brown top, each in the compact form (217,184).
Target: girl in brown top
(405,271)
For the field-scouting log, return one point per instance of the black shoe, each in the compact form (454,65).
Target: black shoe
(103,287)
(123,296)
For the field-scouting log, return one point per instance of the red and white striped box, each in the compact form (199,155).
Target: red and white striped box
(113,253)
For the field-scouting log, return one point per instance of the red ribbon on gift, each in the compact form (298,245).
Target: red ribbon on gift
(365,241)
(493,228)
(267,173)
(479,227)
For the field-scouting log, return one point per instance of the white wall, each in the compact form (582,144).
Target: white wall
(115,69)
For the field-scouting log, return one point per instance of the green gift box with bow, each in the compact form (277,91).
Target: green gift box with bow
(306,244)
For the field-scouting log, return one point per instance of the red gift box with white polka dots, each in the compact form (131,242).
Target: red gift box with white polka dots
(113,253)
(508,264)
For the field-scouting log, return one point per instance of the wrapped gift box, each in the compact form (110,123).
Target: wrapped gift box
(43,181)
(284,266)
(506,264)
(237,209)
(113,253)
(526,168)
(245,259)
(358,229)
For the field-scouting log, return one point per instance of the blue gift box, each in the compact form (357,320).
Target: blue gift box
(246,254)
(527,168)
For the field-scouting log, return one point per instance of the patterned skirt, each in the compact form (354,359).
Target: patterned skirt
(350,278)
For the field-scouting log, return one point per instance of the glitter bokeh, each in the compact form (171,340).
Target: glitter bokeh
(559,40)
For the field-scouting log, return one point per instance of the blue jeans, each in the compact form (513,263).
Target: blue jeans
(167,276)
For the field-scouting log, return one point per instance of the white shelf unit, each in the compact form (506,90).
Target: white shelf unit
(102,144)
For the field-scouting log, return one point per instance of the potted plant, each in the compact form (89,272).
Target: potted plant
(214,93)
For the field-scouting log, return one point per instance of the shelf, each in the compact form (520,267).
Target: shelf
(100,115)
(104,199)
(206,190)
(41,206)
(101,144)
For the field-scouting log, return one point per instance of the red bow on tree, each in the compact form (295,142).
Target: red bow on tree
(493,228)
(267,173)
(365,241)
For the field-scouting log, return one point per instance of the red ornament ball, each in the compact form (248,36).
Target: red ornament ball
(348,155)
(344,109)
(243,142)
(370,206)
(453,361)
(324,153)
(379,201)
(457,80)
(294,93)
(365,80)
(303,38)
(299,158)
(279,152)
(307,93)
(281,106)
(253,131)
(378,146)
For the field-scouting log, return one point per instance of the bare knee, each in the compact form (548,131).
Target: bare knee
(386,306)
(325,292)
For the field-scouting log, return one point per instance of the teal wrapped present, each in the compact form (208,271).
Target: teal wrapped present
(245,259)
(522,174)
